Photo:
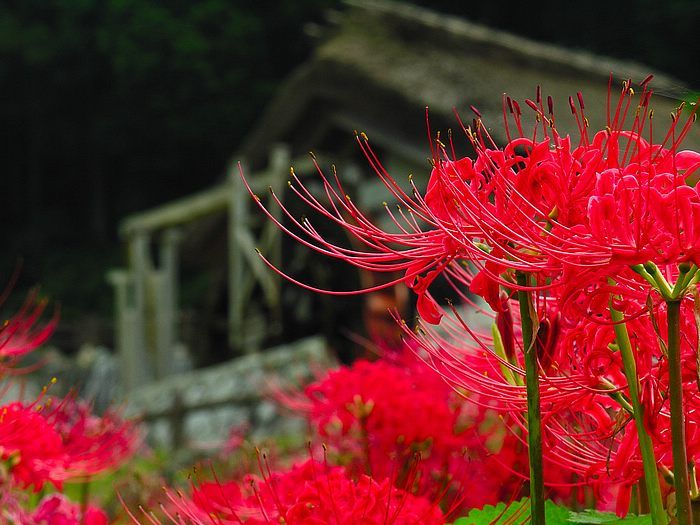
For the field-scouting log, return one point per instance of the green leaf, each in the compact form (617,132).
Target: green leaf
(518,513)
(515,513)
(593,517)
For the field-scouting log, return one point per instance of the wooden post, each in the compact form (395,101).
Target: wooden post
(139,263)
(244,267)
(131,364)
(165,307)
(152,293)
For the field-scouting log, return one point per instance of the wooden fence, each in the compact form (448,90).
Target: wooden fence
(146,291)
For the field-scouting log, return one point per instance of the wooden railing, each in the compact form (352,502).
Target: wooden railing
(146,291)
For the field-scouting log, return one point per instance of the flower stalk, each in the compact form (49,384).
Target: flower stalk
(673,295)
(529,322)
(646,447)
(680,461)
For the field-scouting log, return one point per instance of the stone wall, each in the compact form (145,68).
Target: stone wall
(198,409)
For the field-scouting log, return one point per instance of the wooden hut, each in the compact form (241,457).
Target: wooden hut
(376,67)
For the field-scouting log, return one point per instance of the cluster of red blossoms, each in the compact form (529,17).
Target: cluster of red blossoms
(309,493)
(396,419)
(601,230)
(49,441)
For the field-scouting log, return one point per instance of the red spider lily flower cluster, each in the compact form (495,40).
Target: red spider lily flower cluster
(30,446)
(93,444)
(587,226)
(605,224)
(587,422)
(49,441)
(53,509)
(308,493)
(553,209)
(540,205)
(61,440)
(394,418)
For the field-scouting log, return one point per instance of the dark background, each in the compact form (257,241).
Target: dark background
(113,106)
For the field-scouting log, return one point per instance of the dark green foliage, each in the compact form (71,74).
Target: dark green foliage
(113,106)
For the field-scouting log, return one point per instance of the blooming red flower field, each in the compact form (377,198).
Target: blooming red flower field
(585,249)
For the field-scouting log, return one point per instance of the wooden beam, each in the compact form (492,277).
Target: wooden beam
(201,204)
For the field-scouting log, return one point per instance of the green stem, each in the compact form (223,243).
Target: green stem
(643,499)
(646,447)
(534,417)
(680,460)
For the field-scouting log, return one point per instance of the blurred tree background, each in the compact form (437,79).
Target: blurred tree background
(113,106)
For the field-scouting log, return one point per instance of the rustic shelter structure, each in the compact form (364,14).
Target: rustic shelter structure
(378,64)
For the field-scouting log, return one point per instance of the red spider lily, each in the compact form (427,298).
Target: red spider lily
(539,205)
(586,412)
(542,205)
(23,332)
(92,444)
(590,228)
(375,417)
(30,446)
(309,493)
(417,246)
(58,441)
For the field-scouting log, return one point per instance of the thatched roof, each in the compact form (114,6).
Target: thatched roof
(385,61)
